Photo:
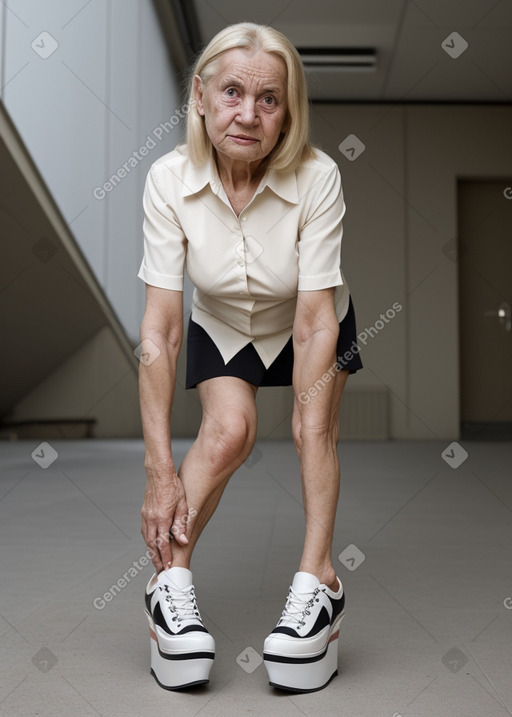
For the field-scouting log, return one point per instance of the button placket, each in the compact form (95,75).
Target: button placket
(244,250)
(240,250)
(240,260)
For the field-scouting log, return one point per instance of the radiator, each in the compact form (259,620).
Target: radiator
(365,415)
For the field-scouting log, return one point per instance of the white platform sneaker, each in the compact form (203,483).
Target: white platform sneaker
(301,652)
(182,649)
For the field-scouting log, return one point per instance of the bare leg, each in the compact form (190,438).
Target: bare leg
(225,440)
(320,473)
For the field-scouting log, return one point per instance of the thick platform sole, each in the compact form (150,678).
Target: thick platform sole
(179,671)
(304,674)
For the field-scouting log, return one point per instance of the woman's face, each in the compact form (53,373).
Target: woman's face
(244,104)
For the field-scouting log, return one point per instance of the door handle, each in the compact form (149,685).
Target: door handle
(504,314)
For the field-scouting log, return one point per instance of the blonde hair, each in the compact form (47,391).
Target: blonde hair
(294,145)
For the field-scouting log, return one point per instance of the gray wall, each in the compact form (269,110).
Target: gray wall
(400,224)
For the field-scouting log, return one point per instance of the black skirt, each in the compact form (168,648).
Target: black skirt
(205,361)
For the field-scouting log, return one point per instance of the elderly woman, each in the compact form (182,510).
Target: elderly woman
(255,213)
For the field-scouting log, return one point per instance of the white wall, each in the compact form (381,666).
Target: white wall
(83,111)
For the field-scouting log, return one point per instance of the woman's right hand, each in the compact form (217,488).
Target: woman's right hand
(164,513)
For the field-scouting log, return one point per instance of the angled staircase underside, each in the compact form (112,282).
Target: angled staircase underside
(67,367)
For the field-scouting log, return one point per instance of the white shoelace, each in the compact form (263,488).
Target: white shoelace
(182,603)
(298,606)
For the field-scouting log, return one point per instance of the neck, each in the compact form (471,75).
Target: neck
(239,175)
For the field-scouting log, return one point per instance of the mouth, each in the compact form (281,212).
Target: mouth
(242,138)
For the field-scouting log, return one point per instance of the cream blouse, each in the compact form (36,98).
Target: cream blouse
(246,269)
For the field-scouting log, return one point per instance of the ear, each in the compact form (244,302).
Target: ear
(198,94)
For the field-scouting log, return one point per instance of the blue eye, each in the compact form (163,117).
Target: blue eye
(229,90)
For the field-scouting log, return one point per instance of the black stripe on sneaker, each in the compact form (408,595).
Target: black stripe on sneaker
(192,628)
(178,687)
(323,620)
(159,619)
(294,660)
(337,606)
(186,655)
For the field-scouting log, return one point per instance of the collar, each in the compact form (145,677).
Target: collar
(195,178)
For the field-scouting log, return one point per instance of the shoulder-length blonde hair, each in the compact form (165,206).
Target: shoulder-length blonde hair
(293,146)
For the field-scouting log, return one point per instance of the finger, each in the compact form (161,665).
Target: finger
(155,559)
(152,541)
(144,530)
(146,534)
(164,546)
(154,554)
(180,523)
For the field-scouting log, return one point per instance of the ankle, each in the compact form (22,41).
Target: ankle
(326,575)
(333,584)
(179,560)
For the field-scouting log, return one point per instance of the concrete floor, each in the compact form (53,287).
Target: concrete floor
(428,629)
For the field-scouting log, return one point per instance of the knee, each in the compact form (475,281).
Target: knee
(296,433)
(326,434)
(229,439)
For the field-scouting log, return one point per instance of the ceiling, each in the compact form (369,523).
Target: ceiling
(418,59)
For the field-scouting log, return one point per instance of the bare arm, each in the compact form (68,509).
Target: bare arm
(164,504)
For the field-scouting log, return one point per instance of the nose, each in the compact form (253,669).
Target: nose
(247,111)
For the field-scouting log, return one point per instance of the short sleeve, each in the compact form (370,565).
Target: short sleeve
(165,244)
(320,237)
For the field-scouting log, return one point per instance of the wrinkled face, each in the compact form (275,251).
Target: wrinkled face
(244,104)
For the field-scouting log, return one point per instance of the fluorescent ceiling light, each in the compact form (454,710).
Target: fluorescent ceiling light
(350,58)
